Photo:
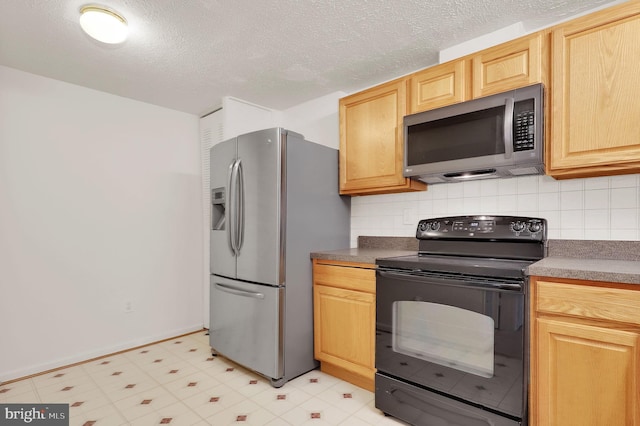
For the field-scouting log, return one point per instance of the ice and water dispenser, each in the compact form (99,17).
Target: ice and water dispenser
(217,211)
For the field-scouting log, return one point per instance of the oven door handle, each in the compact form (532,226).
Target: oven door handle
(496,285)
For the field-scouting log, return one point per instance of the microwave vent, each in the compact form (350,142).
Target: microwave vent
(432,179)
(523,171)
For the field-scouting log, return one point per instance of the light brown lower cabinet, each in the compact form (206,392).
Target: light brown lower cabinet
(344,313)
(585,353)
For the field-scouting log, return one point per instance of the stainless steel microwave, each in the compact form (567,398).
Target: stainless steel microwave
(494,136)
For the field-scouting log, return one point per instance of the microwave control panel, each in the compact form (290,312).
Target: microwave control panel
(523,126)
(523,131)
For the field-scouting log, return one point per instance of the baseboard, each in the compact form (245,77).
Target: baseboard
(36,370)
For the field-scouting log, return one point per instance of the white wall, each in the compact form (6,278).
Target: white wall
(317,119)
(241,117)
(99,205)
(605,208)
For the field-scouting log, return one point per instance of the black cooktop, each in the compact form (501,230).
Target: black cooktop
(478,266)
(486,245)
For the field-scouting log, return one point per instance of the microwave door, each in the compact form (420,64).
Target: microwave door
(469,141)
(494,136)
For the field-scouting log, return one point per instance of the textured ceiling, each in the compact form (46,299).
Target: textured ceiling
(188,54)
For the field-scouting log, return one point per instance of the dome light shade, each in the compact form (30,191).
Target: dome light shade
(103,24)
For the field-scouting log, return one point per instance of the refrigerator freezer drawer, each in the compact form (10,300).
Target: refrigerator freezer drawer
(246,325)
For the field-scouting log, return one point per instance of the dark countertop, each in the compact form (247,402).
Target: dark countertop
(591,260)
(616,271)
(360,255)
(371,248)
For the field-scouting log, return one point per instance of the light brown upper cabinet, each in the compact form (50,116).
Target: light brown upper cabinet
(595,121)
(371,142)
(439,86)
(510,65)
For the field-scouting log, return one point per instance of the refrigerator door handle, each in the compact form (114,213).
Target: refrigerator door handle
(230,207)
(238,291)
(240,216)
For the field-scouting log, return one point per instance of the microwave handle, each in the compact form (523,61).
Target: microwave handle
(508,127)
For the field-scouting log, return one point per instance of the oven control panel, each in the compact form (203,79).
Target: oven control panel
(483,227)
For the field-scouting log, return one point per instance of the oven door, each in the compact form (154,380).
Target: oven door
(454,336)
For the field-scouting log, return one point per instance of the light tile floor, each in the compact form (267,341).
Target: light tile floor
(178,382)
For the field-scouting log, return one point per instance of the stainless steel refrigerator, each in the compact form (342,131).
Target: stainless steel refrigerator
(274,200)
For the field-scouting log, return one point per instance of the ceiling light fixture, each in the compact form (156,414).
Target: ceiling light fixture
(103,24)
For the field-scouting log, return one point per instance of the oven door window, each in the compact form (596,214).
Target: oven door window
(445,335)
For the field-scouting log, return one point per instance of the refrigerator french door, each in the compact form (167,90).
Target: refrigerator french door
(274,200)
(248,171)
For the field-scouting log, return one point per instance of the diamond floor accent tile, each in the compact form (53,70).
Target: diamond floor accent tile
(178,382)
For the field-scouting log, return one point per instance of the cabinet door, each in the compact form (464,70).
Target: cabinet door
(595,128)
(439,86)
(511,65)
(587,375)
(371,141)
(345,328)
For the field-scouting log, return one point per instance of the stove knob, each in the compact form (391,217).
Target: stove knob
(535,227)
(423,226)
(517,226)
(435,226)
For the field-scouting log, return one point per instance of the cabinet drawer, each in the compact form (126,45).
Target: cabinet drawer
(351,278)
(620,305)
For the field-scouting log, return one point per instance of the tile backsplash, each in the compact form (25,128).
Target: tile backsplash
(603,208)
